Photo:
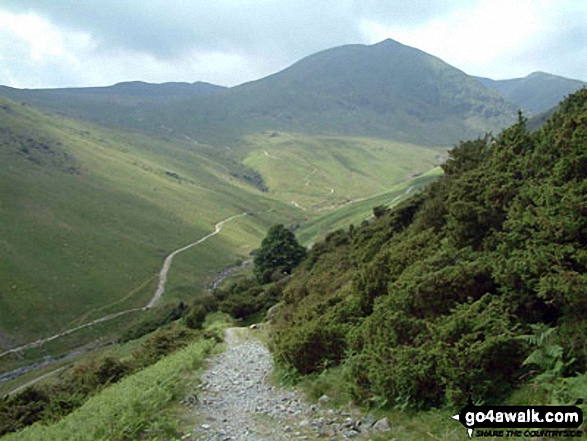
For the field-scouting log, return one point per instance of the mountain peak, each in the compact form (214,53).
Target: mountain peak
(388,42)
(539,73)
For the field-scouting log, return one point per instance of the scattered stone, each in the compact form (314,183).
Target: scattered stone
(367,421)
(382,425)
(351,434)
(271,312)
(323,399)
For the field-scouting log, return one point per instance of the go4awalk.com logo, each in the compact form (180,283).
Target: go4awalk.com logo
(521,421)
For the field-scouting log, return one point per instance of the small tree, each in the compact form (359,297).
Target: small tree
(195,317)
(280,251)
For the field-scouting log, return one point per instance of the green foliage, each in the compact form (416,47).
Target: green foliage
(547,356)
(153,320)
(195,317)
(53,402)
(163,342)
(280,252)
(247,297)
(22,410)
(434,298)
(136,407)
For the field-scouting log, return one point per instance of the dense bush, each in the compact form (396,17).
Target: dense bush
(195,317)
(247,297)
(154,319)
(428,301)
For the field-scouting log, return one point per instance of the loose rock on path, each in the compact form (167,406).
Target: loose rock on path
(237,403)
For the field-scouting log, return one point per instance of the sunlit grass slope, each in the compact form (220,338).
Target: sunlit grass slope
(356,212)
(319,174)
(138,405)
(88,214)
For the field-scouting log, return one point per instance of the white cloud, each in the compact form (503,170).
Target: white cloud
(33,50)
(36,53)
(477,39)
(72,43)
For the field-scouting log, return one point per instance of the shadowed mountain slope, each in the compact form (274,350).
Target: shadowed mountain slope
(538,92)
(386,90)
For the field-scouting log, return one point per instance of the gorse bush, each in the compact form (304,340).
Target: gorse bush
(426,303)
(154,319)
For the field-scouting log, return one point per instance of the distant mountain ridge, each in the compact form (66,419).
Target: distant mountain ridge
(537,92)
(135,88)
(387,90)
(143,89)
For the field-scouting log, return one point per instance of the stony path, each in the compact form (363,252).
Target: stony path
(236,403)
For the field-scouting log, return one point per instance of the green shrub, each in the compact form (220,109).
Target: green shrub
(280,251)
(195,317)
(163,342)
(154,319)
(426,364)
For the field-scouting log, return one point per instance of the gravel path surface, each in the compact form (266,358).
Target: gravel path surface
(236,403)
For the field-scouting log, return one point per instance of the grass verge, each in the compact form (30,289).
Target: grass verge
(139,406)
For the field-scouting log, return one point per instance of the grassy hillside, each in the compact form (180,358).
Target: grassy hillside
(318,174)
(87,216)
(356,212)
(476,285)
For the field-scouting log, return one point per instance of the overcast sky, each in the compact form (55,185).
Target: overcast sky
(60,43)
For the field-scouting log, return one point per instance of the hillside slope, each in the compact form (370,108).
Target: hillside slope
(87,216)
(477,285)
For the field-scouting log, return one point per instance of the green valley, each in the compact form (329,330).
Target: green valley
(89,214)
(319,174)
(428,271)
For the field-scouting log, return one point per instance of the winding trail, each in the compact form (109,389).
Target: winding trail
(32,382)
(169,259)
(156,297)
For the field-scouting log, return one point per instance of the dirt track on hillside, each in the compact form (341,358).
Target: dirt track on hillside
(156,297)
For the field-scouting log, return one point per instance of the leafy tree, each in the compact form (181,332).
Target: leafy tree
(280,251)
